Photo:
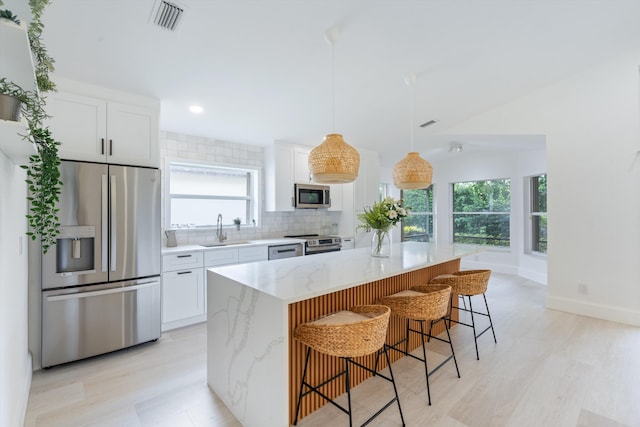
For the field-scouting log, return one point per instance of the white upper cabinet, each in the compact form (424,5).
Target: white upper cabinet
(363,193)
(79,123)
(366,185)
(279,177)
(301,165)
(101,129)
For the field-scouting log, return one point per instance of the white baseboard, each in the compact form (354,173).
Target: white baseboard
(598,311)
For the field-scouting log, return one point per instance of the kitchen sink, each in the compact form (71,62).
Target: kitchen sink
(218,244)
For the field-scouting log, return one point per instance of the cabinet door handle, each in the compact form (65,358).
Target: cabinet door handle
(184,256)
(185,272)
(111,147)
(102,144)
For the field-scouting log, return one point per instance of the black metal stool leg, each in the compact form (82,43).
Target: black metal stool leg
(490,322)
(450,309)
(347,382)
(453,353)
(375,367)
(393,381)
(304,374)
(424,355)
(473,325)
(406,343)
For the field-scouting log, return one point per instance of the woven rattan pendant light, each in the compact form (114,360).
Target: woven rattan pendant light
(334,161)
(412,172)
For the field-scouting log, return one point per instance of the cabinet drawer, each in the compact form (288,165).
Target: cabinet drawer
(254,253)
(181,260)
(220,257)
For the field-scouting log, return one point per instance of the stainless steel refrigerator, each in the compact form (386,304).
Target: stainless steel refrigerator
(101,281)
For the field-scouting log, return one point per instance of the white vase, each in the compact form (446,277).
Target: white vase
(380,244)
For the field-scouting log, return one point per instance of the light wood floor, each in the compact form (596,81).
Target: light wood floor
(548,369)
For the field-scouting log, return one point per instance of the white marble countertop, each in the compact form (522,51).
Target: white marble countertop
(300,278)
(231,244)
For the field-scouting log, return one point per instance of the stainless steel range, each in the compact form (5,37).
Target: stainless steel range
(317,244)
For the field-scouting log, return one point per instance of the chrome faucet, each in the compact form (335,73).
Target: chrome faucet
(219,233)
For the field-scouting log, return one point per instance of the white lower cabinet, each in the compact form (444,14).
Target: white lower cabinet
(348,243)
(220,257)
(182,294)
(183,289)
(253,254)
(184,281)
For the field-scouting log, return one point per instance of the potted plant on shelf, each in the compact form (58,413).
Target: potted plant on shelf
(6,14)
(43,174)
(237,221)
(380,218)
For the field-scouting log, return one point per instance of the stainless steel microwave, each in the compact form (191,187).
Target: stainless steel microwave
(309,196)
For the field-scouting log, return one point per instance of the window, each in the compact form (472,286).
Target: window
(198,193)
(418,226)
(384,191)
(481,212)
(538,213)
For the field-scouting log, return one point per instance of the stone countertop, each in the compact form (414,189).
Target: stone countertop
(300,278)
(231,244)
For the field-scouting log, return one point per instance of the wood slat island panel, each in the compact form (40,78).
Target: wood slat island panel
(322,367)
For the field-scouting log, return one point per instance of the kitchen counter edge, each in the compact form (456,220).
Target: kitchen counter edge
(230,245)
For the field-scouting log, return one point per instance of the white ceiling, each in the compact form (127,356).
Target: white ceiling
(262,69)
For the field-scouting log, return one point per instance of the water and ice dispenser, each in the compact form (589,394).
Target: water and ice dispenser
(75,250)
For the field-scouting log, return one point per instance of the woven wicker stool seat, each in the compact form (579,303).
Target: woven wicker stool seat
(422,303)
(356,332)
(467,283)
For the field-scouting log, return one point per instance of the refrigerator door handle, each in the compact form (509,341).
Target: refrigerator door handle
(79,295)
(105,223)
(114,231)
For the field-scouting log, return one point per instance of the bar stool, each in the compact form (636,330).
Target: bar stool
(359,331)
(422,303)
(467,283)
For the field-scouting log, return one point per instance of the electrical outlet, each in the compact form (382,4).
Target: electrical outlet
(583,288)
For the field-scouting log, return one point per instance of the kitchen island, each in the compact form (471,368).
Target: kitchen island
(254,364)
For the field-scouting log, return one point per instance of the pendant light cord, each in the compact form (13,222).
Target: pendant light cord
(411,115)
(333,87)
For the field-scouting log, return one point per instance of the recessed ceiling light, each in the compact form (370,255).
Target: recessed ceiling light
(196,109)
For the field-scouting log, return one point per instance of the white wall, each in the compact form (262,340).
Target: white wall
(591,125)
(15,361)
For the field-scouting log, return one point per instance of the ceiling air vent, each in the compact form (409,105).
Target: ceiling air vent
(167,15)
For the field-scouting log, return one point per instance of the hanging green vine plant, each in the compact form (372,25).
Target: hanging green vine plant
(43,170)
(43,179)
